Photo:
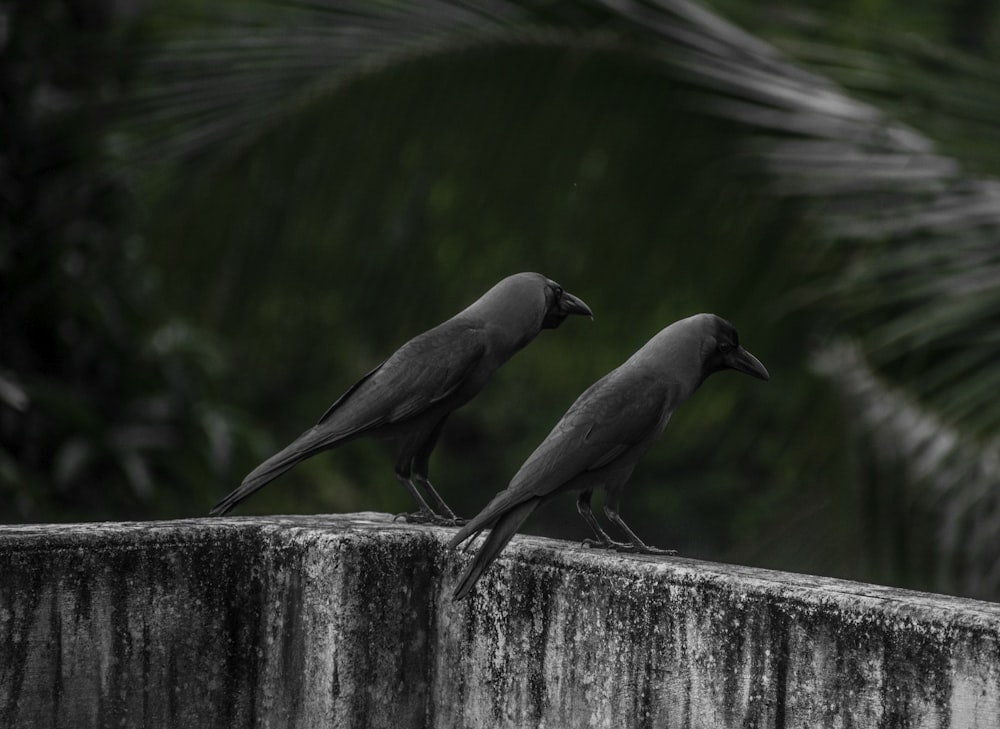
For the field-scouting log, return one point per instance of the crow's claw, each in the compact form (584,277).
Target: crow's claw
(429,517)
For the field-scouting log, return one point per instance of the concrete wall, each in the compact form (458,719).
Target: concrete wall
(345,621)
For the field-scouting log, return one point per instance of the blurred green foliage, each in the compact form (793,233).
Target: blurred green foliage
(267,235)
(104,395)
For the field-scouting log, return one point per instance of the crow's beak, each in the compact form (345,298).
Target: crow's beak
(569,304)
(741,360)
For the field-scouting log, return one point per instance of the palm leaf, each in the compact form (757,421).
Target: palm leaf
(959,473)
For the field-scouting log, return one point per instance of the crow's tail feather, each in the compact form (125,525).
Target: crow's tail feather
(306,445)
(503,530)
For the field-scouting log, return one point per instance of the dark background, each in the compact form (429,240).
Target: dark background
(212,225)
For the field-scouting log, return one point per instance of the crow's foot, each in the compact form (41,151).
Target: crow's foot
(429,517)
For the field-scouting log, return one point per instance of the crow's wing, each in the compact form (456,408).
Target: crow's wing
(424,371)
(609,418)
(606,421)
(421,373)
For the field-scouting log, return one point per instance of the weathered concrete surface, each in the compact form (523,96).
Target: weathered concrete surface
(345,621)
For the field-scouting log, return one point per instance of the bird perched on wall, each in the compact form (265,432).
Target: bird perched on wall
(601,438)
(407,398)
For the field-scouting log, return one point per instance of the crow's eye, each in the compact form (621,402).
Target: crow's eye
(558,292)
(725,347)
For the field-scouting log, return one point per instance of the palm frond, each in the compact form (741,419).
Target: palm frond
(959,473)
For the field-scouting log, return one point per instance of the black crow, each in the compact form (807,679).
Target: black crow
(407,398)
(601,438)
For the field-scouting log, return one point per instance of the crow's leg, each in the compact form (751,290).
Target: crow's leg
(603,540)
(424,513)
(421,468)
(636,545)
